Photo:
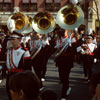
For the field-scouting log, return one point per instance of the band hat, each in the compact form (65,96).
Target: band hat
(15,35)
(2,33)
(89,37)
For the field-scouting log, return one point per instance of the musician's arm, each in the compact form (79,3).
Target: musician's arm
(27,60)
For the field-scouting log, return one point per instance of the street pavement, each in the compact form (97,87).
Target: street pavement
(79,85)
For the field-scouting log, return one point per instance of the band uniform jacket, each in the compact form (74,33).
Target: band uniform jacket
(66,58)
(89,54)
(18,60)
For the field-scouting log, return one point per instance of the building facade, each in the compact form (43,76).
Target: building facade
(94,16)
(31,7)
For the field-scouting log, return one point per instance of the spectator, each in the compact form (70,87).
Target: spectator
(95,86)
(24,86)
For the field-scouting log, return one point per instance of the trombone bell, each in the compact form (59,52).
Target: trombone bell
(70,17)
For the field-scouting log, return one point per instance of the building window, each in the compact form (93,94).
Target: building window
(52,5)
(49,7)
(33,7)
(5,5)
(56,6)
(29,5)
(25,7)
(1,6)
(97,24)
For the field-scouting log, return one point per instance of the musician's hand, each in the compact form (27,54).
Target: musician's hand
(54,63)
(84,47)
(1,68)
(82,51)
(95,60)
(69,41)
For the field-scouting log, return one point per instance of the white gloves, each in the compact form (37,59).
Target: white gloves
(74,1)
(95,60)
(1,67)
(12,25)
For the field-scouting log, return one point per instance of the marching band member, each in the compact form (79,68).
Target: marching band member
(1,42)
(18,59)
(88,51)
(64,62)
(2,54)
(37,56)
(94,40)
(46,53)
(27,40)
(1,39)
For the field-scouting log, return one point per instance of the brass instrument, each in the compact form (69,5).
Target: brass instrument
(61,50)
(84,47)
(29,27)
(43,23)
(20,22)
(36,52)
(64,45)
(70,17)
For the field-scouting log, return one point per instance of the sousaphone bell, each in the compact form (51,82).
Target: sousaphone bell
(18,21)
(70,17)
(29,28)
(43,23)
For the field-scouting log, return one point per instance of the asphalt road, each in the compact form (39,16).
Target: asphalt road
(80,87)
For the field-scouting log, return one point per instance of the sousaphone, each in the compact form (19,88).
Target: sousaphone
(43,23)
(70,17)
(19,21)
(29,28)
